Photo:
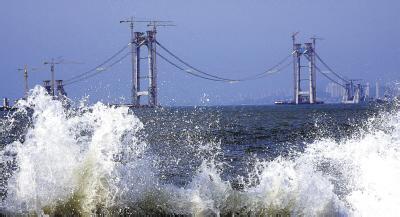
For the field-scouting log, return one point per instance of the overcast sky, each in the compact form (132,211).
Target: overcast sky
(228,38)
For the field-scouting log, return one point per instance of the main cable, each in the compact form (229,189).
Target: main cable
(187,71)
(325,75)
(252,77)
(331,79)
(77,77)
(270,70)
(192,67)
(99,71)
(329,68)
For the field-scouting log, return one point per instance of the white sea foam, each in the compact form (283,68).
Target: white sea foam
(69,153)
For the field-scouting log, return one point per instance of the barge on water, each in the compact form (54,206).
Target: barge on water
(288,102)
(134,106)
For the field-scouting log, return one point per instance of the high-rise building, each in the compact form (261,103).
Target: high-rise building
(335,90)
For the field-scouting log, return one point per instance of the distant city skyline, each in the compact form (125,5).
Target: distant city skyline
(225,38)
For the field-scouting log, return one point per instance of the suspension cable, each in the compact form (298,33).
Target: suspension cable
(77,77)
(331,79)
(270,70)
(329,68)
(95,71)
(99,71)
(325,75)
(189,72)
(252,77)
(192,67)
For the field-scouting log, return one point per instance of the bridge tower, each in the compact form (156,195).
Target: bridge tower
(301,94)
(144,39)
(138,40)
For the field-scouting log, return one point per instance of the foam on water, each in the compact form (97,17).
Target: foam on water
(90,160)
(69,154)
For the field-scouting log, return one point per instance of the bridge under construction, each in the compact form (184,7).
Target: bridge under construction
(305,67)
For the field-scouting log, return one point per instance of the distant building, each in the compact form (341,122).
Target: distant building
(335,91)
(367,89)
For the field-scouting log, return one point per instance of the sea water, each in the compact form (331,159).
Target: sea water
(323,160)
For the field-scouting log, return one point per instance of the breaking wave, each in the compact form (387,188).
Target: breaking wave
(93,160)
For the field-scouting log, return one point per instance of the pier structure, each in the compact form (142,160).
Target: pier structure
(60,89)
(6,103)
(47,86)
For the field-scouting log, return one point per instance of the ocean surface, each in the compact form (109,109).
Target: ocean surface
(306,160)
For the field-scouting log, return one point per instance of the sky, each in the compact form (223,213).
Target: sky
(235,39)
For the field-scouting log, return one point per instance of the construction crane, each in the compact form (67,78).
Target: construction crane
(26,85)
(294,34)
(314,39)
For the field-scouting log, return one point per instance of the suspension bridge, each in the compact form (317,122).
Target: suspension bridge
(304,81)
